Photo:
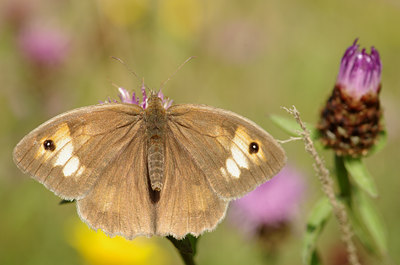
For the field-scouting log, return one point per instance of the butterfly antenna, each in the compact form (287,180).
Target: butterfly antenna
(126,66)
(179,67)
(129,69)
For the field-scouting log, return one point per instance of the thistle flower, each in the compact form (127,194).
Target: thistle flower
(350,121)
(45,47)
(125,97)
(271,206)
(360,73)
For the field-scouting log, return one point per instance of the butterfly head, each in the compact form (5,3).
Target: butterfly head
(154,102)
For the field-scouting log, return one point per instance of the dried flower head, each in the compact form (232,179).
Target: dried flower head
(350,121)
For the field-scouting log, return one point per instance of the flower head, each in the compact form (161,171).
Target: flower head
(43,46)
(350,121)
(271,204)
(127,98)
(360,72)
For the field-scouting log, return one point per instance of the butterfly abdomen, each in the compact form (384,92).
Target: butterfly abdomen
(155,160)
(155,119)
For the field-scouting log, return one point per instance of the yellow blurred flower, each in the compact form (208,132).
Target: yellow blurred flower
(181,18)
(98,249)
(124,12)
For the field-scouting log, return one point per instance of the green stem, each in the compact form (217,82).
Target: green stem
(186,248)
(343,180)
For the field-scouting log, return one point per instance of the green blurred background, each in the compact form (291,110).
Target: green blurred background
(252,58)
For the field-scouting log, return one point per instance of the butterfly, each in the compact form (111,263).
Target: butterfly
(150,169)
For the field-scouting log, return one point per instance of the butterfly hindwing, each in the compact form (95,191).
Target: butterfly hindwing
(80,144)
(119,202)
(187,203)
(234,154)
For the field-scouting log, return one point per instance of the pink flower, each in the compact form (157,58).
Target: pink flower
(271,204)
(43,46)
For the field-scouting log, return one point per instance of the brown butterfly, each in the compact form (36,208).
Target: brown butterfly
(150,171)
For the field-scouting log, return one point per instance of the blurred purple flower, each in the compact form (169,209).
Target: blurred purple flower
(271,204)
(360,72)
(127,98)
(44,46)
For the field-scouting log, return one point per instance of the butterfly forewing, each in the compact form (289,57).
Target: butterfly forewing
(234,153)
(80,144)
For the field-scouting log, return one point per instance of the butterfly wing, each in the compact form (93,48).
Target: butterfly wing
(82,143)
(98,158)
(119,202)
(187,203)
(234,154)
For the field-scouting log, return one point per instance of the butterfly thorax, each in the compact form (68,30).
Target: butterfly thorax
(155,119)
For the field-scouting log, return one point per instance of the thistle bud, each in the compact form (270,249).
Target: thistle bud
(350,121)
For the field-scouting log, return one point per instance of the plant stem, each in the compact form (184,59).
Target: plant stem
(339,209)
(343,180)
(186,248)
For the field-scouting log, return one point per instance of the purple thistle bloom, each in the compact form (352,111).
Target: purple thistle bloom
(350,121)
(360,72)
(43,46)
(127,98)
(166,102)
(271,204)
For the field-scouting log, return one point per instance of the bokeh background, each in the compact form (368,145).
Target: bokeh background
(252,57)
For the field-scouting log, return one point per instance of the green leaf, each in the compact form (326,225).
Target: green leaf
(315,259)
(316,221)
(291,126)
(380,144)
(361,231)
(314,134)
(288,125)
(360,175)
(343,180)
(372,221)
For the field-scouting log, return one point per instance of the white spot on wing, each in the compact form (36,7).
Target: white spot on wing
(232,168)
(223,172)
(71,167)
(80,171)
(65,154)
(239,157)
(238,140)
